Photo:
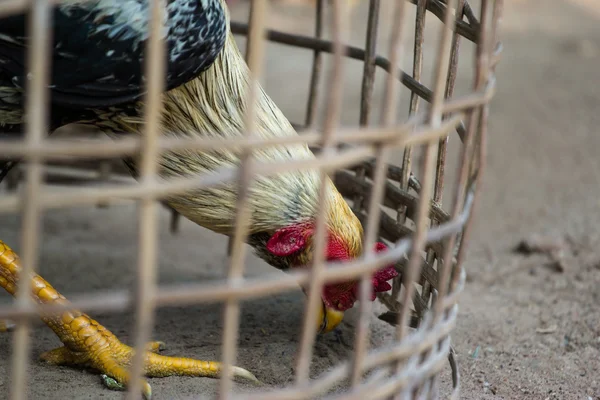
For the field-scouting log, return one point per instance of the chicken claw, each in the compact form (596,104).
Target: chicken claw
(89,344)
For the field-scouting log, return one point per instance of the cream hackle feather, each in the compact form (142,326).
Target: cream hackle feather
(213,105)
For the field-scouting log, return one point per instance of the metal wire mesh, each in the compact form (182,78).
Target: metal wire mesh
(428,243)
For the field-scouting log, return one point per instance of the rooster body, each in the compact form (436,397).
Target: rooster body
(275,201)
(206,97)
(286,200)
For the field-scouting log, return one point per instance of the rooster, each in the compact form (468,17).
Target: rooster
(98,52)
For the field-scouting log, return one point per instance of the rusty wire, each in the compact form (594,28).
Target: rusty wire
(428,256)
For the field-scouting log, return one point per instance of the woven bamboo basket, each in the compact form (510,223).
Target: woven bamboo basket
(400,197)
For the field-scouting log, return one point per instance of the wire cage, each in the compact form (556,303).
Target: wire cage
(398,202)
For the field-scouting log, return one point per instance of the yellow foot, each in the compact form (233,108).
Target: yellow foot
(114,359)
(89,344)
(6,326)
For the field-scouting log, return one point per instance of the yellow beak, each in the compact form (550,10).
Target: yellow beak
(328,319)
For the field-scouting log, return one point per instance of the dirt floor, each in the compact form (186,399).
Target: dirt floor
(528,328)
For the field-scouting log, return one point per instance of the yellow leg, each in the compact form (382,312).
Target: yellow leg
(87,343)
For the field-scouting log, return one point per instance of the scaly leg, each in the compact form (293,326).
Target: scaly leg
(87,343)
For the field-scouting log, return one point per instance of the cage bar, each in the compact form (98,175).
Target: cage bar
(255,56)
(339,26)
(37,61)
(145,285)
(388,116)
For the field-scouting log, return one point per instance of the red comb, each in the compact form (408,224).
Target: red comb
(343,297)
(381,277)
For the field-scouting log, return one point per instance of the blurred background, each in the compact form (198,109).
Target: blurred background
(529,324)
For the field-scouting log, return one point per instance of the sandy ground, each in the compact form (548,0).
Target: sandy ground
(525,331)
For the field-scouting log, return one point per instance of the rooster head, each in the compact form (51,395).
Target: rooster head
(295,242)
